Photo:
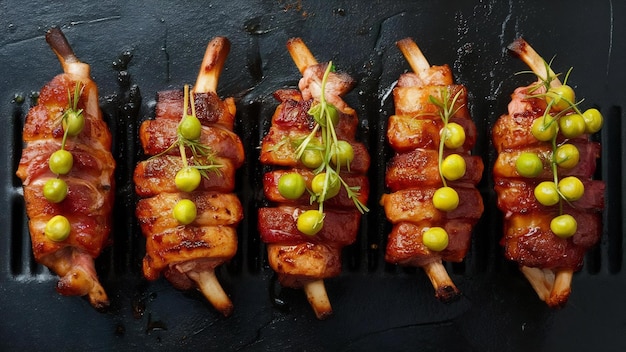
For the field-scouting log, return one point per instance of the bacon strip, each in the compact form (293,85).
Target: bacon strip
(303,261)
(413,176)
(90,182)
(547,261)
(187,255)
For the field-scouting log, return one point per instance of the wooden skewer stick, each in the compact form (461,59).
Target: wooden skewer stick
(212,290)
(445,290)
(413,55)
(300,54)
(212,64)
(318,299)
(536,63)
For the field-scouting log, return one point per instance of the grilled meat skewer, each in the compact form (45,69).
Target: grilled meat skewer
(188,253)
(547,255)
(305,260)
(68,119)
(427,102)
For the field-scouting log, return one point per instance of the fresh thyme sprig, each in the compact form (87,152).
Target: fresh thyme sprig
(71,111)
(326,117)
(446,110)
(203,157)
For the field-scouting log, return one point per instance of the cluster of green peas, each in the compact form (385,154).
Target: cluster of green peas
(326,184)
(60,163)
(188,178)
(560,100)
(451,168)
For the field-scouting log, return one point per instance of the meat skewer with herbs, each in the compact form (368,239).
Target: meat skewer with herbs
(317,186)
(543,178)
(66,170)
(188,211)
(434,203)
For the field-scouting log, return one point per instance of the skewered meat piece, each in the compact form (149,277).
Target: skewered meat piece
(428,105)
(548,253)
(69,210)
(187,251)
(304,256)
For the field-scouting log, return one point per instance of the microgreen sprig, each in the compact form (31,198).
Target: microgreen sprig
(203,156)
(446,111)
(72,109)
(326,116)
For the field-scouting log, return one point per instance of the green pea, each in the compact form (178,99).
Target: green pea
(342,154)
(333,186)
(529,165)
(291,185)
(544,128)
(57,228)
(310,222)
(567,156)
(564,226)
(572,126)
(61,162)
(453,167)
(593,120)
(561,97)
(55,190)
(190,128)
(454,135)
(188,179)
(185,211)
(73,122)
(546,193)
(435,239)
(446,199)
(312,158)
(571,188)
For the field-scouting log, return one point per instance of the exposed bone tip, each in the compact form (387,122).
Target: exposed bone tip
(413,55)
(445,290)
(318,299)
(300,54)
(212,65)
(552,286)
(212,290)
(447,294)
(518,45)
(98,298)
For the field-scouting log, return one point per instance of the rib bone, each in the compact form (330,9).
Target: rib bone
(536,63)
(212,64)
(61,47)
(445,290)
(300,54)
(318,299)
(212,290)
(413,55)
(552,286)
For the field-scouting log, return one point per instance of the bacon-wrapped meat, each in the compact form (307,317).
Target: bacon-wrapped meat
(67,174)
(188,212)
(434,201)
(543,179)
(317,179)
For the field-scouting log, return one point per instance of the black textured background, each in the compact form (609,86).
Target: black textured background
(136,48)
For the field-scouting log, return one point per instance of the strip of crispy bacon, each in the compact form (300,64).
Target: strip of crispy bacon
(303,261)
(414,134)
(546,261)
(188,255)
(90,182)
